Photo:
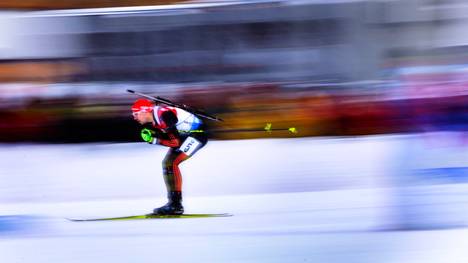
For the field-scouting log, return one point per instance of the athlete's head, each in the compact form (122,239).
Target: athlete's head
(142,111)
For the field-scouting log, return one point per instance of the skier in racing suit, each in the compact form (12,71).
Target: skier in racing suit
(177,129)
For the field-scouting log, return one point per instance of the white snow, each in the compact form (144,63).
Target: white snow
(293,200)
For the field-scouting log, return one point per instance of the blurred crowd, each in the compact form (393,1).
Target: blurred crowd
(325,110)
(324,68)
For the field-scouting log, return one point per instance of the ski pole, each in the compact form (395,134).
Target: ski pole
(268,128)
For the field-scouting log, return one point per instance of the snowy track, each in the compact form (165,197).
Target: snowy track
(334,206)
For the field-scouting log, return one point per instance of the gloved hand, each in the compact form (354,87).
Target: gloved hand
(148,135)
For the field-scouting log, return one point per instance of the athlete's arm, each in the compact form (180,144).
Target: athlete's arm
(171,137)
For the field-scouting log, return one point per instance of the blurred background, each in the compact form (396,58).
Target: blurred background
(328,68)
(377,89)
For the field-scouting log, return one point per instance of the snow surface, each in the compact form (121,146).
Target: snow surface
(293,200)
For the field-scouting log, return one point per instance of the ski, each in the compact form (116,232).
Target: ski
(177,105)
(148,216)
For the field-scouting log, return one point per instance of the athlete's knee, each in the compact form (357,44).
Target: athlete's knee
(168,161)
(167,169)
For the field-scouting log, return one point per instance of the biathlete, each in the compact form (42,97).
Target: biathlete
(181,131)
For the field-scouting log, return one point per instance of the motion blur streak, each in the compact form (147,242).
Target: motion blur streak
(376,90)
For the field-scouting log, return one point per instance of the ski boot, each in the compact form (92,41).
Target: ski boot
(173,207)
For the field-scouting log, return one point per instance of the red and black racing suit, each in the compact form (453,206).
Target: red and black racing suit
(168,135)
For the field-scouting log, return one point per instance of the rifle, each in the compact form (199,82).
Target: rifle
(187,108)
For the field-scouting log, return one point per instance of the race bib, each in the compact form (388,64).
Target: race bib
(189,146)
